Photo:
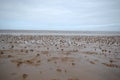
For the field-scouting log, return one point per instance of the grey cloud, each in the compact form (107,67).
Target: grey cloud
(60,12)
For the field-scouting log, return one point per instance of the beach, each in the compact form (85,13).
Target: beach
(59,56)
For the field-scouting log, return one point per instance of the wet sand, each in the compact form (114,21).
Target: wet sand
(59,57)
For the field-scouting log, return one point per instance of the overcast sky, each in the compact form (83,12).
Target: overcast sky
(100,15)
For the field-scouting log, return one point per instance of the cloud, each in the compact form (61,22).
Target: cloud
(56,13)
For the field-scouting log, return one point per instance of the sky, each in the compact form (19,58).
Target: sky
(88,15)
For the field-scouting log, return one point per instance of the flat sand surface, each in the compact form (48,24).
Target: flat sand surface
(59,57)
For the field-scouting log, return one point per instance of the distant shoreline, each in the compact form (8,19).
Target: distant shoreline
(59,32)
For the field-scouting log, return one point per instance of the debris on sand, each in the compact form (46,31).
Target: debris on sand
(17,62)
(10,56)
(73,64)
(111,65)
(25,76)
(33,62)
(92,62)
(58,70)
(1,52)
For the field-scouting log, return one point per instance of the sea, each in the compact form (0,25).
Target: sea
(59,32)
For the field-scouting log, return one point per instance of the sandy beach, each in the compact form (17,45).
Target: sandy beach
(59,57)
